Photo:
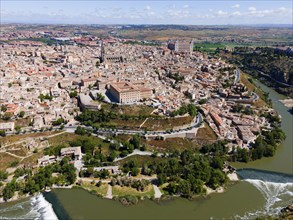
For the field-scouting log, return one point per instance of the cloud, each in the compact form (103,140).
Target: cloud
(221,13)
(147,14)
(235,13)
(279,12)
(236,6)
(181,13)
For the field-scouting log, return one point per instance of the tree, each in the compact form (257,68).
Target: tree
(217,179)
(217,162)
(31,187)
(2,133)
(3,108)
(73,94)
(9,190)
(135,141)
(3,175)
(59,121)
(47,96)
(98,63)
(7,116)
(114,146)
(134,171)
(80,130)
(162,178)
(112,156)
(100,97)
(21,114)
(103,174)
(202,101)
(17,128)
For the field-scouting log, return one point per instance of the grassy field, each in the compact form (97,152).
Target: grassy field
(140,159)
(208,47)
(156,123)
(15,138)
(20,151)
(127,124)
(6,160)
(123,137)
(123,191)
(211,47)
(134,110)
(64,139)
(206,133)
(33,159)
(101,190)
(166,123)
(172,144)
(152,124)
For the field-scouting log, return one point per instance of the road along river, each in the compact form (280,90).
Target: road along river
(266,186)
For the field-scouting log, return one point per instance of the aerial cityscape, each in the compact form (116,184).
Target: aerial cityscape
(146,110)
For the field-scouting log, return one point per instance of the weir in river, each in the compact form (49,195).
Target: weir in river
(276,188)
(36,207)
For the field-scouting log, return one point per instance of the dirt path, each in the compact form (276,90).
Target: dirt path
(143,122)
(109,192)
(158,193)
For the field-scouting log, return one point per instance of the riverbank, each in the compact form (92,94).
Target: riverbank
(15,198)
(233,177)
(287,102)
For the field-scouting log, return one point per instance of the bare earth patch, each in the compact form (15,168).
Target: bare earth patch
(287,102)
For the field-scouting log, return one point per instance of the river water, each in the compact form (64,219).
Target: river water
(264,189)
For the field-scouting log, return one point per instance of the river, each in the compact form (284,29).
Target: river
(264,190)
(282,160)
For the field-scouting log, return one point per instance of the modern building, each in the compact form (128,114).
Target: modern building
(74,152)
(45,160)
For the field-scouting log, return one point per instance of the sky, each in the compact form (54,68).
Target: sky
(148,12)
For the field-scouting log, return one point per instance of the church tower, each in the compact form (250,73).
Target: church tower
(102,58)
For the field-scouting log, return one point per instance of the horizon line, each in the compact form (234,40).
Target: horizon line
(133,24)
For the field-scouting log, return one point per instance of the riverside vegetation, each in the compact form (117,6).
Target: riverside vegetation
(36,181)
(184,173)
(272,65)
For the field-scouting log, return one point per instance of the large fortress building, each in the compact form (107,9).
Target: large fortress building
(127,92)
(181,46)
